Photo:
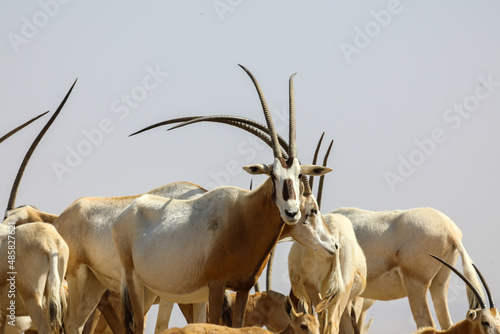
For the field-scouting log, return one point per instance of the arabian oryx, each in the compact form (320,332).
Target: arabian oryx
(35,260)
(394,243)
(482,320)
(342,275)
(312,232)
(301,321)
(219,240)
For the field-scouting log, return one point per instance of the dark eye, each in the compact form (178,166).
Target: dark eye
(314,211)
(300,175)
(304,327)
(485,323)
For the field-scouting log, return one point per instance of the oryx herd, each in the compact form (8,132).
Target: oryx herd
(100,265)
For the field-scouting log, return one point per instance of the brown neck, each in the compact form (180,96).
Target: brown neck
(255,228)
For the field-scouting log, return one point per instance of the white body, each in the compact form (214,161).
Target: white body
(397,245)
(94,265)
(313,276)
(40,264)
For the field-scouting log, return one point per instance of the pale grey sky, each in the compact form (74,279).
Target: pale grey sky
(408,90)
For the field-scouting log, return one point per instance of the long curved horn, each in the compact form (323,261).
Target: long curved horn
(170,121)
(214,118)
(15,186)
(486,287)
(21,126)
(292,128)
(230,118)
(322,177)
(251,126)
(315,158)
(466,281)
(267,114)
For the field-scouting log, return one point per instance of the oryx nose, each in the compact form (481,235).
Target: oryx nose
(291,214)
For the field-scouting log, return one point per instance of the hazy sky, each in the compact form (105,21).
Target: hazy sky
(408,90)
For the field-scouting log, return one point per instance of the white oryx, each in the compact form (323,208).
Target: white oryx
(342,276)
(34,260)
(219,240)
(94,266)
(482,320)
(396,244)
(33,285)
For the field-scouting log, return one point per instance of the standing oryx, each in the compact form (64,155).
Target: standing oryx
(342,275)
(34,260)
(395,244)
(482,320)
(312,232)
(219,240)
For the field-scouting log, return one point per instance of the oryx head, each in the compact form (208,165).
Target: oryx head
(484,320)
(302,320)
(285,173)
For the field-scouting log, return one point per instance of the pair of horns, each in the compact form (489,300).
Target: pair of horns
(249,125)
(482,304)
(275,141)
(325,162)
(22,168)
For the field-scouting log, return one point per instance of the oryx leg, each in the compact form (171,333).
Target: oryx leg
(187,312)
(439,293)
(200,313)
(33,301)
(110,310)
(37,314)
(92,321)
(164,312)
(416,290)
(134,291)
(337,311)
(84,293)
(239,308)
(216,292)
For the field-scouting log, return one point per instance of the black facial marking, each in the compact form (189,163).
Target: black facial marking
(288,191)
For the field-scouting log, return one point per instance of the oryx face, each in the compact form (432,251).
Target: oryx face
(286,177)
(312,231)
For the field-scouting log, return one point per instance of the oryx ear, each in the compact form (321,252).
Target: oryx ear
(258,169)
(289,308)
(315,170)
(471,315)
(302,306)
